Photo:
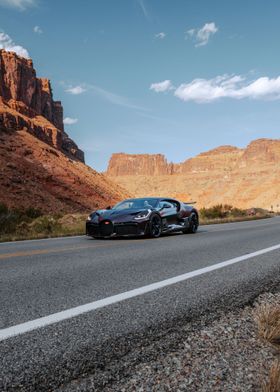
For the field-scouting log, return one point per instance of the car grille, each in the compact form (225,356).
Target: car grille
(126,229)
(106,228)
(93,229)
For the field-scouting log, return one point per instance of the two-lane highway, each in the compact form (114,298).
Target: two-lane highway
(65,303)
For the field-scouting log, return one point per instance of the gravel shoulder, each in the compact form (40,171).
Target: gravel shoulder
(223,354)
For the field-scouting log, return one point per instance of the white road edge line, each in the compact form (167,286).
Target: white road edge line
(73,312)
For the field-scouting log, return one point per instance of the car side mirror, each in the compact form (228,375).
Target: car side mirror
(108,208)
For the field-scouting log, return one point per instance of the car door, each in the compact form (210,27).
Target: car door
(168,213)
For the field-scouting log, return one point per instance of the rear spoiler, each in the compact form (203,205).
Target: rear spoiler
(189,202)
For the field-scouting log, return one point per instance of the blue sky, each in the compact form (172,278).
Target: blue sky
(154,76)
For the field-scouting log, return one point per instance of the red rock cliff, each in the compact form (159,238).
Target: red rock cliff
(138,164)
(26,103)
(230,175)
(40,166)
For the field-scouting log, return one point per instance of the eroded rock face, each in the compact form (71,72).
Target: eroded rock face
(138,164)
(26,102)
(241,177)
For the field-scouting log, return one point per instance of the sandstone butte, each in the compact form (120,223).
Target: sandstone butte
(245,178)
(40,166)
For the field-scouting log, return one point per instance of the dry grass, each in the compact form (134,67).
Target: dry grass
(267,317)
(47,226)
(214,221)
(273,384)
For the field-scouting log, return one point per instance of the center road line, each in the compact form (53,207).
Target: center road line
(41,322)
(67,237)
(55,250)
(46,251)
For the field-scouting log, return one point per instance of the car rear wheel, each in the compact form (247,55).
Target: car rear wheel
(193,225)
(155,228)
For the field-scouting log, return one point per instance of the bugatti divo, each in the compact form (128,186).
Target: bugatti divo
(149,216)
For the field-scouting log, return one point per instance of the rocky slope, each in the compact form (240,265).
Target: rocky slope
(241,177)
(40,166)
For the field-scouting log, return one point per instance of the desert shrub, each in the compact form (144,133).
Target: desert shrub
(237,212)
(18,223)
(8,223)
(33,212)
(217,211)
(9,219)
(58,215)
(3,209)
(45,224)
(16,220)
(273,384)
(267,317)
(221,211)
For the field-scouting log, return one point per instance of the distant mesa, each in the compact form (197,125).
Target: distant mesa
(241,177)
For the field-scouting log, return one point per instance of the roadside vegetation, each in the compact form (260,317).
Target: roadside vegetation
(224,213)
(267,316)
(30,223)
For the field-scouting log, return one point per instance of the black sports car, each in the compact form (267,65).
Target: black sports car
(150,216)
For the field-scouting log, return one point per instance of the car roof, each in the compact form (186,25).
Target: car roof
(151,198)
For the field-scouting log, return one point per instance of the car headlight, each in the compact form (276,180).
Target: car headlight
(143,215)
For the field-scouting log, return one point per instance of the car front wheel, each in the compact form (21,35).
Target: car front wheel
(155,228)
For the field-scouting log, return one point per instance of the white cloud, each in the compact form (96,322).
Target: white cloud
(37,30)
(229,86)
(144,9)
(75,90)
(108,96)
(161,86)
(191,32)
(160,35)
(18,4)
(201,36)
(115,98)
(8,44)
(70,121)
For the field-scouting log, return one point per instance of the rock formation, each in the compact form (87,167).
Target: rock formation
(40,166)
(26,102)
(138,164)
(241,177)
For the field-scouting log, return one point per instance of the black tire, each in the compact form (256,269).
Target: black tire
(193,225)
(155,226)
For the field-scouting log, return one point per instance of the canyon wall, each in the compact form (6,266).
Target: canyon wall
(245,178)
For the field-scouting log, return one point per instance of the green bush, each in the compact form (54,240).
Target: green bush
(221,211)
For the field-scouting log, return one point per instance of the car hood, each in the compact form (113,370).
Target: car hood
(117,214)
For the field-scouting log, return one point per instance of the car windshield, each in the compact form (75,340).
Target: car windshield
(136,204)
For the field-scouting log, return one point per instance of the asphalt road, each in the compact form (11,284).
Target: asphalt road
(44,282)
